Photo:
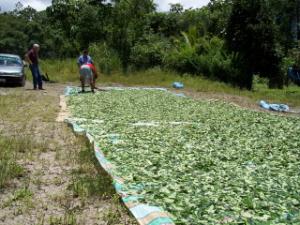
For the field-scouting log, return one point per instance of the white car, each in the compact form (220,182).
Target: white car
(12,70)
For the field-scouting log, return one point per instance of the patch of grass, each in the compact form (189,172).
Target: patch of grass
(89,180)
(68,219)
(23,195)
(19,107)
(14,146)
(8,161)
(67,71)
(113,215)
(19,137)
(60,70)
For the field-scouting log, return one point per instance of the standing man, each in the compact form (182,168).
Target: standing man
(84,59)
(32,58)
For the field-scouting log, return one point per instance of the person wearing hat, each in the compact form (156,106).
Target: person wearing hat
(32,57)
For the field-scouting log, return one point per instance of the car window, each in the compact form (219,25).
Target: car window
(10,61)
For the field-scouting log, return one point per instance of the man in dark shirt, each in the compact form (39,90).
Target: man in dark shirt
(32,58)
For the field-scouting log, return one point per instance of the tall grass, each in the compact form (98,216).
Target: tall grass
(66,71)
(8,160)
(60,70)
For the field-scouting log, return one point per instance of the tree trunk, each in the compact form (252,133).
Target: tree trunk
(276,82)
(295,23)
(246,81)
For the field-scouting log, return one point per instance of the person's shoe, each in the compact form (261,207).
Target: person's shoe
(42,89)
(82,91)
(34,89)
(93,91)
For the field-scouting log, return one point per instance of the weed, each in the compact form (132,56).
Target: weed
(68,219)
(89,180)
(8,161)
(113,214)
(61,70)
(23,195)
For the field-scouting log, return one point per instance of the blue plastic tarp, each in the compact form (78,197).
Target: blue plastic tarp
(274,107)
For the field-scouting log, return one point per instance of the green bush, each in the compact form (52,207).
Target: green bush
(149,51)
(203,56)
(105,58)
(182,60)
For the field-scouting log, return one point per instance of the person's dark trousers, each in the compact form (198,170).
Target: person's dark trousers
(36,76)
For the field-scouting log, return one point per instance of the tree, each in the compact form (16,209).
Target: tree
(87,32)
(18,7)
(176,8)
(12,34)
(128,23)
(62,14)
(287,16)
(28,13)
(218,15)
(251,36)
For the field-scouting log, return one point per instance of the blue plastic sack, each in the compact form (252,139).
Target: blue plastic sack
(274,107)
(178,85)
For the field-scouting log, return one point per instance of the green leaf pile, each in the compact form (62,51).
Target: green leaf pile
(205,162)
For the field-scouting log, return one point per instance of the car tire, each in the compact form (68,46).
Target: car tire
(22,82)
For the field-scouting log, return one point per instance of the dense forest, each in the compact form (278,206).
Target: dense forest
(227,40)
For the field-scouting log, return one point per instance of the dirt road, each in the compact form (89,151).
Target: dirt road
(59,181)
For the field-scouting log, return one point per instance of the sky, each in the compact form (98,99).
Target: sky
(163,5)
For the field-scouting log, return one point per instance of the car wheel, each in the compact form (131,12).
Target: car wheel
(22,82)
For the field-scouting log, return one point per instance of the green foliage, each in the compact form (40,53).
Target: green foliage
(126,34)
(105,58)
(128,19)
(293,57)
(202,56)
(12,40)
(241,165)
(286,13)
(183,60)
(251,34)
(218,12)
(149,51)
(61,70)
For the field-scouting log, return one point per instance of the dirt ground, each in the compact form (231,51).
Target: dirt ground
(62,183)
